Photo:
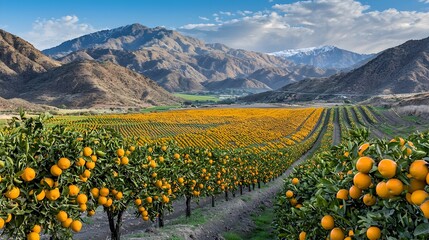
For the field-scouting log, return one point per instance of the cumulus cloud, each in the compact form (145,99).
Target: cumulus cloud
(47,33)
(348,24)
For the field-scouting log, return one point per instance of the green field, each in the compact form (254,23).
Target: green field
(194,97)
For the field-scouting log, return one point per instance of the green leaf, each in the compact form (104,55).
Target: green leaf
(421,229)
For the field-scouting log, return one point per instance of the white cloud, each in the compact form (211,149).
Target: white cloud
(204,18)
(424,1)
(226,13)
(345,23)
(48,33)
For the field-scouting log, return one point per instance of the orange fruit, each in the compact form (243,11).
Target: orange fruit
(408,198)
(362,180)
(395,186)
(119,195)
(86,173)
(427,178)
(369,199)
(104,192)
(87,151)
(387,168)
(181,180)
(73,190)
(149,200)
(373,233)
(9,218)
(125,160)
(381,190)
(64,163)
(13,193)
(56,171)
(120,152)
(53,194)
(28,174)
(91,212)
(67,223)
(302,235)
(419,170)
(102,200)
(425,209)
(165,199)
(132,148)
(337,234)
(152,164)
(76,226)
(62,216)
(90,165)
(41,195)
(1,223)
(82,198)
(418,197)
(95,192)
(33,236)
(80,162)
(48,181)
(355,192)
(138,202)
(289,194)
(327,222)
(343,194)
(295,181)
(364,164)
(94,158)
(36,228)
(416,185)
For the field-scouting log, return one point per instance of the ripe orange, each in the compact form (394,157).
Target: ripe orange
(343,194)
(158,183)
(364,164)
(425,209)
(83,207)
(165,199)
(418,197)
(125,160)
(138,202)
(91,212)
(33,236)
(76,226)
(289,194)
(73,190)
(395,186)
(41,195)
(87,151)
(48,181)
(1,223)
(132,148)
(102,200)
(362,180)
(104,191)
(362,149)
(369,199)
(373,233)
(387,168)
(64,163)
(53,194)
(381,190)
(67,223)
(9,218)
(149,200)
(355,192)
(337,234)
(82,198)
(13,193)
(416,185)
(90,165)
(327,222)
(56,171)
(28,175)
(152,164)
(302,235)
(176,156)
(86,173)
(181,180)
(80,162)
(119,195)
(62,216)
(37,228)
(419,170)
(120,152)
(295,181)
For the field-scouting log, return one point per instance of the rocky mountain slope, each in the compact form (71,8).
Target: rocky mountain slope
(176,62)
(402,69)
(324,57)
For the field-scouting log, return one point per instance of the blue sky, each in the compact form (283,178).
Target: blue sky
(260,25)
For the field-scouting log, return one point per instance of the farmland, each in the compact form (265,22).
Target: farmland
(145,164)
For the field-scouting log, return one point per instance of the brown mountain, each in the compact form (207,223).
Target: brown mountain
(92,84)
(27,74)
(237,83)
(19,60)
(402,69)
(176,62)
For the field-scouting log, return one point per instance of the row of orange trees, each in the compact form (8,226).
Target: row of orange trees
(51,177)
(361,189)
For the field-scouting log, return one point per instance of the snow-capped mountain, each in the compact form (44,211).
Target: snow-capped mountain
(325,57)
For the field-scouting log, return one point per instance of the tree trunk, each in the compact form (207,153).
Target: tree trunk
(188,206)
(233,193)
(241,189)
(115,228)
(226,196)
(249,188)
(160,216)
(259,184)
(213,200)
(253,185)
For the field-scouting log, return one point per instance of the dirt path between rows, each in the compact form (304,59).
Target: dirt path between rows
(374,130)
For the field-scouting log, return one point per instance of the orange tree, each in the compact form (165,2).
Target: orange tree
(39,180)
(361,189)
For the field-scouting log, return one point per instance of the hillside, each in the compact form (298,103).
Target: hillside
(238,83)
(324,57)
(402,69)
(89,84)
(175,61)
